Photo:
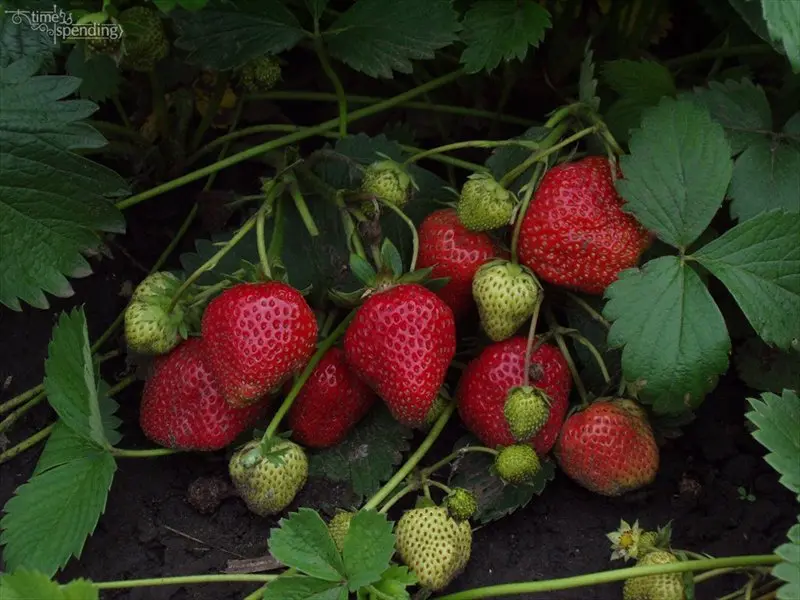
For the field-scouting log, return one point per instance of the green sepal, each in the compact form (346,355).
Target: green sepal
(390,258)
(347,299)
(437,284)
(362,270)
(417,276)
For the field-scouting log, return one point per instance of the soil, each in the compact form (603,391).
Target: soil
(150,530)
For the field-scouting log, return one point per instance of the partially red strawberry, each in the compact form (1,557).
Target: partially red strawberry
(484,387)
(574,232)
(330,403)
(182,408)
(401,342)
(453,251)
(256,336)
(609,447)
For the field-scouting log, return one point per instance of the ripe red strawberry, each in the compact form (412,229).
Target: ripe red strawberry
(401,342)
(182,408)
(455,252)
(609,447)
(330,403)
(486,381)
(255,336)
(574,232)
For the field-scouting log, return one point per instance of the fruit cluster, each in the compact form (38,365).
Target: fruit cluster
(259,340)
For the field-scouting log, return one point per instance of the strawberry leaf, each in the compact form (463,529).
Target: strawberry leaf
(474,472)
(377,37)
(70,379)
(392,585)
(783,24)
(99,74)
(675,343)
(302,541)
(24,584)
(368,547)
(297,587)
(316,8)
(759,261)
(49,518)
(226,35)
(776,418)
(496,30)
(587,82)
(367,457)
(19,41)
(789,569)
(52,201)
(766,176)
(677,172)
(767,369)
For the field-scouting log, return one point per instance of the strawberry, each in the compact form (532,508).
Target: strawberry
(330,403)
(668,586)
(507,295)
(608,448)
(338,527)
(453,251)
(401,342)
(434,545)
(517,464)
(389,181)
(260,74)
(485,204)
(256,336)
(486,381)
(575,233)
(461,504)
(527,411)
(182,408)
(145,40)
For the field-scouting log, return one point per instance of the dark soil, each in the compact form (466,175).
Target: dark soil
(149,529)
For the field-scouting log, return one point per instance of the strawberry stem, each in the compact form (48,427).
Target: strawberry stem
(354,243)
(148,453)
(440,485)
(531,340)
(184,580)
(217,94)
(413,460)
(531,145)
(261,218)
(341,98)
(259,150)
(322,348)
(302,208)
(159,104)
(591,579)
(453,456)
(414,237)
(26,444)
(556,330)
(589,310)
(398,496)
(595,353)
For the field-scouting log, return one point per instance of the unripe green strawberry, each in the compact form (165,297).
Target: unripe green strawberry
(461,504)
(527,410)
(433,545)
(268,484)
(103,45)
(647,542)
(260,74)
(506,295)
(145,40)
(157,287)
(338,526)
(517,464)
(389,181)
(484,203)
(668,586)
(150,329)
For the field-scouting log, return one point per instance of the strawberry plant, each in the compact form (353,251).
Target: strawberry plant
(559,242)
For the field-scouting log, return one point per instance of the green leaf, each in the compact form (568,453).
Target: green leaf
(391,258)
(783,24)
(32,585)
(767,369)
(792,125)
(226,35)
(99,75)
(641,85)
(49,518)
(165,5)
(367,457)
(759,263)
(766,176)
(789,569)
(496,30)
(316,8)
(70,378)
(475,472)
(20,41)
(776,419)
(377,37)
(193,4)
(297,587)
(368,547)
(302,541)
(587,82)
(392,585)
(740,107)
(677,172)
(674,336)
(51,200)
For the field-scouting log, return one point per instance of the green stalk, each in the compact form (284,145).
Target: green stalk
(159,104)
(21,398)
(589,310)
(260,242)
(553,324)
(595,353)
(426,106)
(237,114)
(341,99)
(398,496)
(751,49)
(276,239)
(26,444)
(302,208)
(438,484)
(413,460)
(471,144)
(526,201)
(217,94)
(414,236)
(428,471)
(531,340)
(591,579)
(285,140)
(148,453)
(183,580)
(13,417)
(114,129)
(322,348)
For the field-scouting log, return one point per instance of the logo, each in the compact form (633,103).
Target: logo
(59,25)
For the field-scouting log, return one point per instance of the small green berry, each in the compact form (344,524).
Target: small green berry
(389,181)
(527,410)
(260,74)
(338,526)
(461,504)
(485,204)
(517,464)
(507,295)
(144,40)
